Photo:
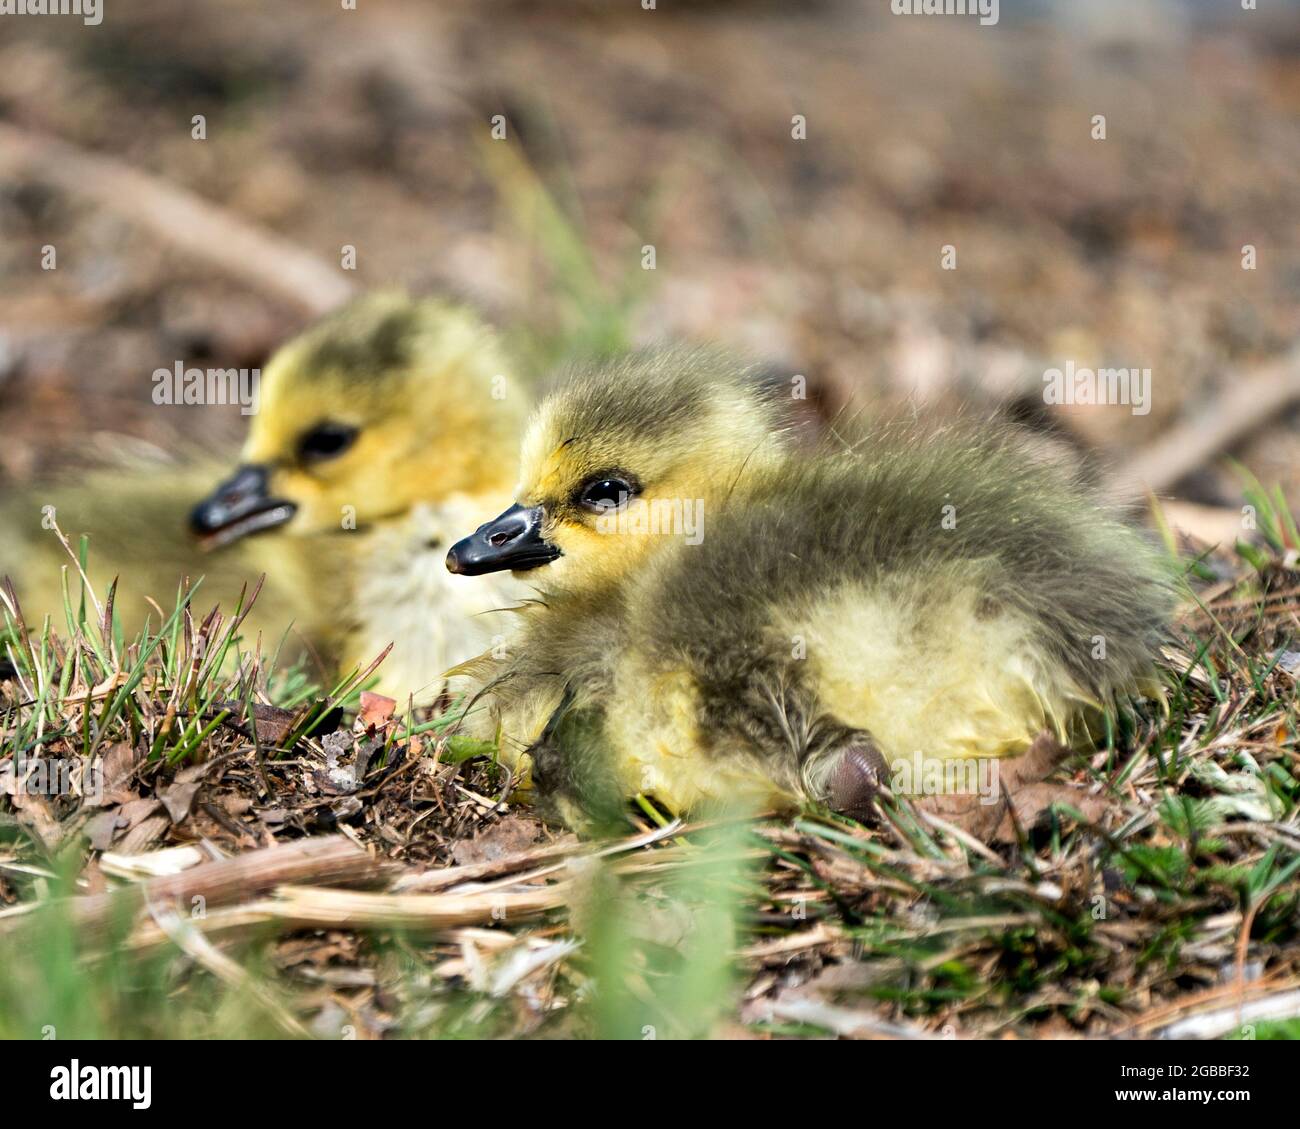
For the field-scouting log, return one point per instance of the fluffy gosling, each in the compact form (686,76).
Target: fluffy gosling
(380,429)
(720,619)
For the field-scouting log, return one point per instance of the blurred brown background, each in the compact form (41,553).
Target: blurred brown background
(670,127)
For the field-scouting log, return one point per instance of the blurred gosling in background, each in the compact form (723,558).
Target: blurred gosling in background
(382,430)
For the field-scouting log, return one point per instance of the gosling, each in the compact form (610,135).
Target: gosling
(381,429)
(721,619)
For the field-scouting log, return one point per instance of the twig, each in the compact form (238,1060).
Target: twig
(431,880)
(328,859)
(314,908)
(1220,1021)
(1152,1019)
(259,258)
(841,1021)
(1248,403)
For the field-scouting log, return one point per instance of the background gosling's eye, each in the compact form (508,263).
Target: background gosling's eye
(605,494)
(326,441)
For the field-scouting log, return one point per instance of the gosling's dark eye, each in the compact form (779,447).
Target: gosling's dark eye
(604,494)
(326,441)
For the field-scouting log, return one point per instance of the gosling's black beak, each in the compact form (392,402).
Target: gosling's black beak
(511,541)
(238,507)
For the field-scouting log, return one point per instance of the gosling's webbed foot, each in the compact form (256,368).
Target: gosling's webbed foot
(856,775)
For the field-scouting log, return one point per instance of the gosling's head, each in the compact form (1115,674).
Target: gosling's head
(381,405)
(622,459)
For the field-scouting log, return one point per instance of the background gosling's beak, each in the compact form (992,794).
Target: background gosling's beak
(238,507)
(511,541)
